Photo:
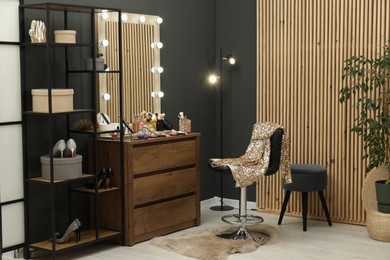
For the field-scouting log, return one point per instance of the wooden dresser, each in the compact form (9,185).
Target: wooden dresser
(161,185)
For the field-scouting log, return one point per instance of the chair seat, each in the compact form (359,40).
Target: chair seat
(307,177)
(222,168)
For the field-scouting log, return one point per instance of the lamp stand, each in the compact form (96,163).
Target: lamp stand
(221,207)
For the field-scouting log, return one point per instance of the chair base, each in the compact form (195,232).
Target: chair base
(242,219)
(221,208)
(235,219)
(240,234)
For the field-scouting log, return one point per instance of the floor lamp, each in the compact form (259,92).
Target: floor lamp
(213,79)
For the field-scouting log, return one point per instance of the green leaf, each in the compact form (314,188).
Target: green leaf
(369,83)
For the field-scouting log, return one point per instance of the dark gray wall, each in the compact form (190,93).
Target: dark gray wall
(236,34)
(188,34)
(192,33)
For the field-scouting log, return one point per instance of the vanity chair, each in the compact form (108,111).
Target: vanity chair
(243,219)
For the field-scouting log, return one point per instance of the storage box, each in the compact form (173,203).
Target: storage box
(64,168)
(62,100)
(65,36)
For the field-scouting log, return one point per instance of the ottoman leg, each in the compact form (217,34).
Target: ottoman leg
(304,209)
(323,201)
(284,206)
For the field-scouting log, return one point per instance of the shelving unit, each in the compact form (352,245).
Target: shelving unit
(101,190)
(87,236)
(41,130)
(40,179)
(65,112)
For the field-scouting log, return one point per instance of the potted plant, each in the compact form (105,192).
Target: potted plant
(368,82)
(99,61)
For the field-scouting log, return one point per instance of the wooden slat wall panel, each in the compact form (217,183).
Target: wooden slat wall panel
(302,45)
(138,81)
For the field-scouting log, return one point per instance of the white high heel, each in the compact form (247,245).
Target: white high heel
(72,147)
(59,148)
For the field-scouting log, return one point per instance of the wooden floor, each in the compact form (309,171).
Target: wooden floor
(341,241)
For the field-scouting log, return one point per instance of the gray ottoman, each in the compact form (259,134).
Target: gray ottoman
(306,178)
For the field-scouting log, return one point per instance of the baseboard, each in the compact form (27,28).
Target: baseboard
(216,201)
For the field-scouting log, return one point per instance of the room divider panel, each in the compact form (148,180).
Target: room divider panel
(11,159)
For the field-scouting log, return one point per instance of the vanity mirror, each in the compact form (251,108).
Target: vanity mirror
(141,63)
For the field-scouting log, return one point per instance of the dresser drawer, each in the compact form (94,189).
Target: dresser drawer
(160,156)
(165,185)
(150,220)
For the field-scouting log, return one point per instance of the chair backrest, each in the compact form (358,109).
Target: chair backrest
(276,151)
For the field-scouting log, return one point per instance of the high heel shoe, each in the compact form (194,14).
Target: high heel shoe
(101,180)
(59,148)
(73,229)
(109,175)
(71,148)
(106,178)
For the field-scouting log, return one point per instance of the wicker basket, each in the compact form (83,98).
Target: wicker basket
(377,223)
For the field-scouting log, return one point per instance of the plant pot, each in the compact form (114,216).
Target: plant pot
(88,64)
(383,196)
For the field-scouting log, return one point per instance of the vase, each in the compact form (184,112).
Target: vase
(185,125)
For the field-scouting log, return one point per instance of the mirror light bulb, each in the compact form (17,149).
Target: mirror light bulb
(124,17)
(141,19)
(157,94)
(106,96)
(213,79)
(157,45)
(159,20)
(157,70)
(104,14)
(104,43)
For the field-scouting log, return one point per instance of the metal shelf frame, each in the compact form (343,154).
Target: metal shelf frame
(96,234)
